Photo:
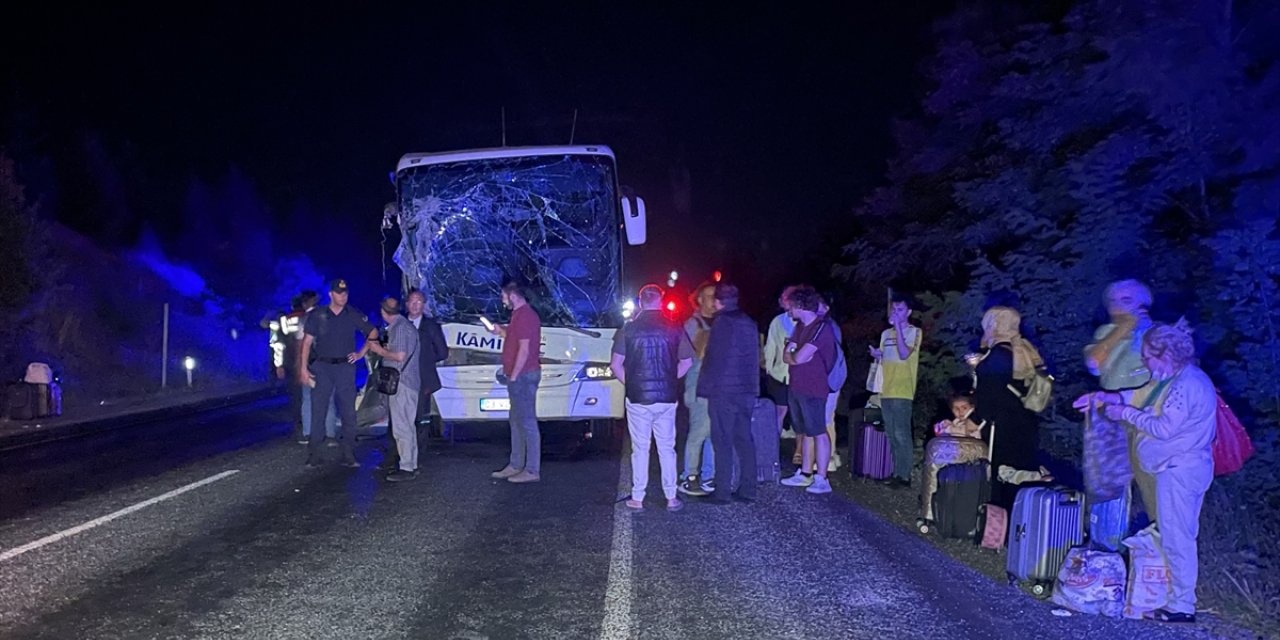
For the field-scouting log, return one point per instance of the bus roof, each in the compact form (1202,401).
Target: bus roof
(423,159)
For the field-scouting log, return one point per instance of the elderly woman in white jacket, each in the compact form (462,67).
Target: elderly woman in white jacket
(1174,417)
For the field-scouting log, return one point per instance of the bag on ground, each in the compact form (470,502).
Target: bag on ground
(1109,522)
(993,527)
(869,451)
(1091,581)
(1148,587)
(765,433)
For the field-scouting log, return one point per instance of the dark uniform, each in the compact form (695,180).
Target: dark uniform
(333,338)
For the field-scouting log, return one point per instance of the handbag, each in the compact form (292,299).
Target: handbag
(875,377)
(1107,470)
(1039,391)
(387,379)
(1231,444)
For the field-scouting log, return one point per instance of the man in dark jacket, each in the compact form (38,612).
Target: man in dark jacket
(650,355)
(434,349)
(731,383)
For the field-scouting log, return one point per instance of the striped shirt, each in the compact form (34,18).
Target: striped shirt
(403,337)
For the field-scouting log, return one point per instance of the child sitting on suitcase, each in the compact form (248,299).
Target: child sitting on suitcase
(961,425)
(957,442)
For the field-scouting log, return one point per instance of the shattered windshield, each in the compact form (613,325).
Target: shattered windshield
(548,221)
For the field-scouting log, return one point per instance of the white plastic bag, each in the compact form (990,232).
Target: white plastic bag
(1091,581)
(1148,574)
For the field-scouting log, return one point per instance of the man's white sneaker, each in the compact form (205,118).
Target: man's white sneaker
(798,480)
(820,485)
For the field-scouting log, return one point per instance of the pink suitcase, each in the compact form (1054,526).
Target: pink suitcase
(993,526)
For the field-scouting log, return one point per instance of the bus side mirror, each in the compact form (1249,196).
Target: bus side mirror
(634,220)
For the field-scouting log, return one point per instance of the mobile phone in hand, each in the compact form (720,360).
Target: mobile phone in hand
(487,324)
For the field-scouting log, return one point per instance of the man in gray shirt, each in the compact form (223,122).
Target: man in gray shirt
(402,348)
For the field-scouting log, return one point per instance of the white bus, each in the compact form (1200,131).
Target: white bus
(550,217)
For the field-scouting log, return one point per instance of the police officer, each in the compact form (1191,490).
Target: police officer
(327,358)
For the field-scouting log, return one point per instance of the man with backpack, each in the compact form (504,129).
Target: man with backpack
(811,355)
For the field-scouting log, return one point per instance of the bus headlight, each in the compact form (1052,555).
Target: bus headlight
(595,371)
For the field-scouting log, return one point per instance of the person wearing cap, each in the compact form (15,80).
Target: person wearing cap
(328,360)
(650,355)
(402,347)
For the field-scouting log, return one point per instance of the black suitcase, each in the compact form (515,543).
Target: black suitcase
(23,401)
(962,490)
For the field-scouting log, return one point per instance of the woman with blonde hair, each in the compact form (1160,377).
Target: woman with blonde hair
(1008,359)
(1174,420)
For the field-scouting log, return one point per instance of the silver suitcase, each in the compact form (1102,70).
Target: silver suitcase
(1045,523)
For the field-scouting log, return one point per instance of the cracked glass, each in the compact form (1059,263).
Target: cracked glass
(550,222)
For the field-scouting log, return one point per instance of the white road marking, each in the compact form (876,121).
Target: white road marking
(617,593)
(66,533)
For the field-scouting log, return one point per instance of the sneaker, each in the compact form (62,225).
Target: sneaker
(400,475)
(351,463)
(820,485)
(690,488)
(504,473)
(314,463)
(304,440)
(834,463)
(524,477)
(674,505)
(708,486)
(330,442)
(635,505)
(798,480)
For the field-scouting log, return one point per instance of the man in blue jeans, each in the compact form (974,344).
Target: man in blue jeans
(699,455)
(521,372)
(899,358)
(730,382)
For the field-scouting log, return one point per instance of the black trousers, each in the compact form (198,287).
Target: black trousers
(333,381)
(731,432)
(295,399)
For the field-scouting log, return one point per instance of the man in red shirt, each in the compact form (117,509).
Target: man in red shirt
(811,353)
(521,372)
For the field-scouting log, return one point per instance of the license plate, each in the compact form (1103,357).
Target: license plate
(495,404)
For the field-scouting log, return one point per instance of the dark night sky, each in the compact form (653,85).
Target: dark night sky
(780,116)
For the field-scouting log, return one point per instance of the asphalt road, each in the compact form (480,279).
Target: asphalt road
(211,527)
